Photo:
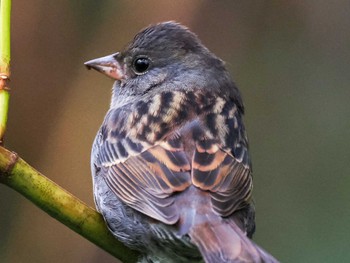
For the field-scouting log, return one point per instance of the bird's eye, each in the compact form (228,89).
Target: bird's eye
(141,65)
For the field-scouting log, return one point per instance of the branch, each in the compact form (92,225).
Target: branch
(5,57)
(58,203)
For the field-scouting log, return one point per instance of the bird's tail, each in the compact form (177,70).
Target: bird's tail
(221,242)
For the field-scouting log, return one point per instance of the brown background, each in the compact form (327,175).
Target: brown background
(291,62)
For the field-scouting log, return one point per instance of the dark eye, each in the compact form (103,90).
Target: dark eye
(141,65)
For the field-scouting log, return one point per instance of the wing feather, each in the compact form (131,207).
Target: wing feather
(145,176)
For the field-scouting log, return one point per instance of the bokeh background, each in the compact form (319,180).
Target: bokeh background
(291,60)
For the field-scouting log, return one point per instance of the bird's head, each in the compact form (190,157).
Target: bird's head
(163,57)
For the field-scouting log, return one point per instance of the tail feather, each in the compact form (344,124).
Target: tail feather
(221,242)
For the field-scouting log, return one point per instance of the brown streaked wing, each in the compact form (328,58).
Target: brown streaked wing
(146,180)
(217,171)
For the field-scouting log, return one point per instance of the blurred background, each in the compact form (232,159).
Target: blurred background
(291,60)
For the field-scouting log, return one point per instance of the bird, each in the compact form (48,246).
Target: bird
(171,171)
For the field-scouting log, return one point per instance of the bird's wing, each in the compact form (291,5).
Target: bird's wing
(145,176)
(221,163)
(216,170)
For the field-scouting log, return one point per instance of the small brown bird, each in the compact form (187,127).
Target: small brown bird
(171,169)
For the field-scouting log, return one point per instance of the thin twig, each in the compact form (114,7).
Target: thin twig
(5,58)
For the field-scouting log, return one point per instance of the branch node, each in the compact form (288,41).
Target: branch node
(7,161)
(4,82)
(13,160)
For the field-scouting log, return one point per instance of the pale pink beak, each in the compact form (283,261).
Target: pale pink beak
(107,65)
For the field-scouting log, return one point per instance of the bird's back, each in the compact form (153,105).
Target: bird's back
(172,173)
(193,183)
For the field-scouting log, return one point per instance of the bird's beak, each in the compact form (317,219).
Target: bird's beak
(107,65)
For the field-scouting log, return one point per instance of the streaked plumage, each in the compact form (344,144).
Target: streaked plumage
(171,169)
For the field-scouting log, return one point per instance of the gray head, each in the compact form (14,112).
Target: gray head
(165,56)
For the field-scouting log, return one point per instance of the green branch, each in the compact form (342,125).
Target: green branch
(5,57)
(58,203)
(5,14)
